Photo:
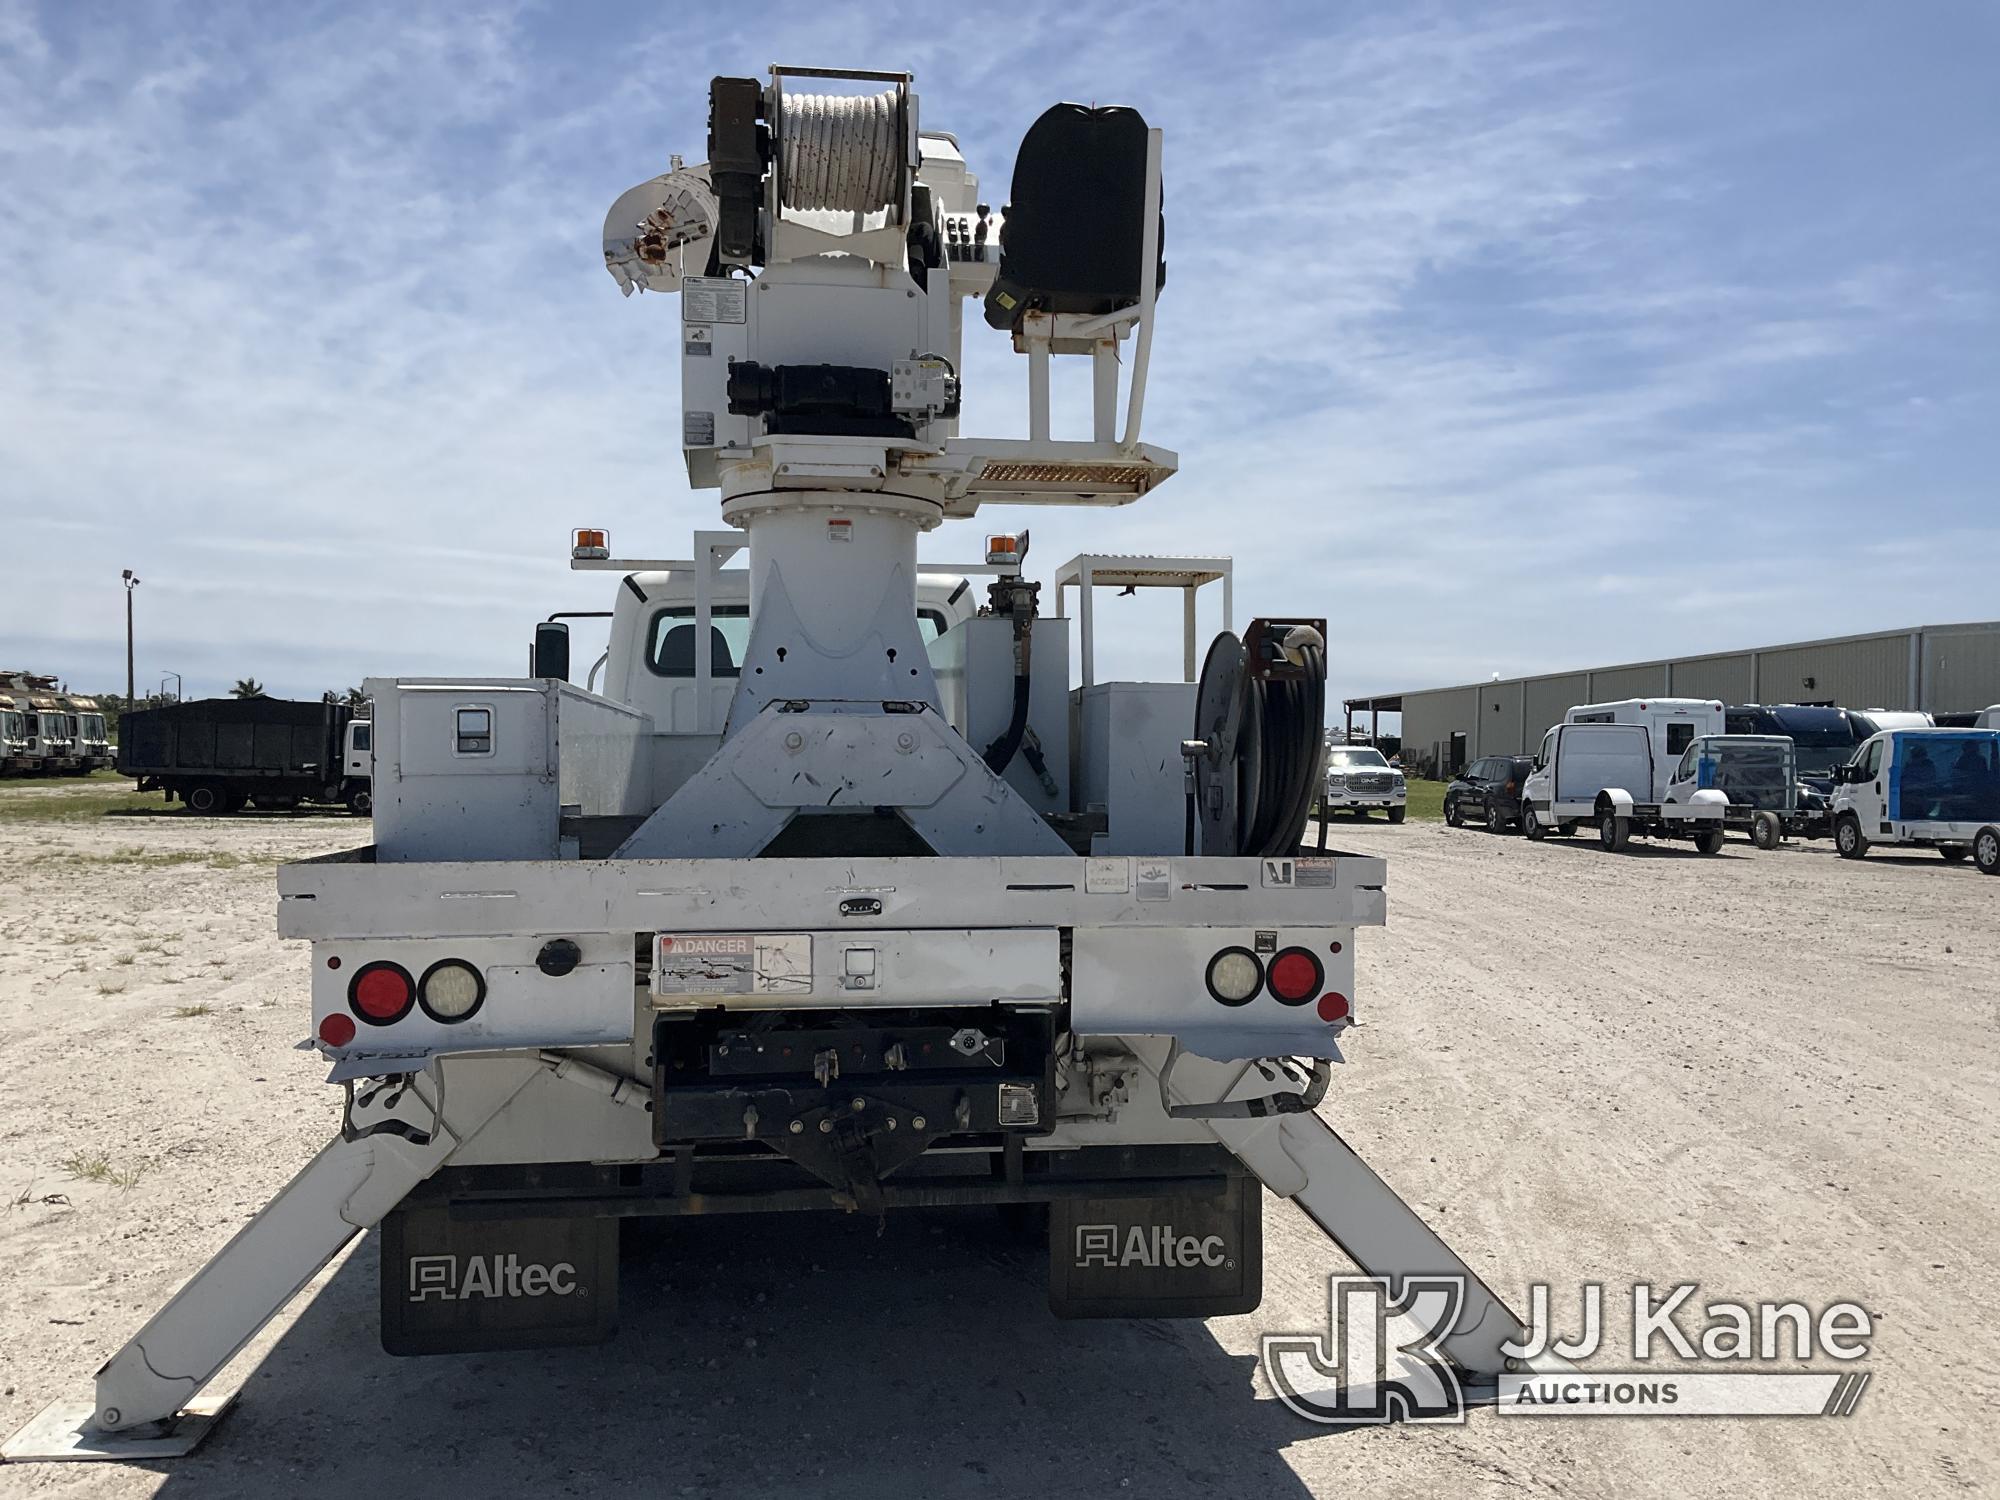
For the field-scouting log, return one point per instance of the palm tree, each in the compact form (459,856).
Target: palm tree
(247,687)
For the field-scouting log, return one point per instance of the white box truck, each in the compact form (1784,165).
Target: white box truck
(1612,764)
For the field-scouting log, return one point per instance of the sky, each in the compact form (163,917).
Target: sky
(1509,337)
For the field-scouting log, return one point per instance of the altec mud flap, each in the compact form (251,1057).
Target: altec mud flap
(455,1285)
(1190,1255)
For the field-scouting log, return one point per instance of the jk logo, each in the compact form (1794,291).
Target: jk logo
(1379,1360)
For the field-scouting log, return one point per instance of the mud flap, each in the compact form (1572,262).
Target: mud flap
(1177,1256)
(465,1286)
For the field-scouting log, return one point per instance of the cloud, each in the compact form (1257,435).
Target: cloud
(1468,311)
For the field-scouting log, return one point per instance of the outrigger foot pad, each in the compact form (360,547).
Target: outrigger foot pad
(65,1431)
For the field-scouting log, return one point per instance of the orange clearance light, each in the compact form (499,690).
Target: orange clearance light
(590,543)
(1003,550)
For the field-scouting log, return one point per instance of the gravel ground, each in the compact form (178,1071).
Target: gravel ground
(1774,1074)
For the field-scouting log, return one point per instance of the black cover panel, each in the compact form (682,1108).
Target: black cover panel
(1073,234)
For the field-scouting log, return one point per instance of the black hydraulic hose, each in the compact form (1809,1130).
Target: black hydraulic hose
(1287,715)
(1305,704)
(1000,754)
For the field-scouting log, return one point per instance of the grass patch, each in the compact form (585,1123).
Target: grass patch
(1427,801)
(1425,805)
(86,1166)
(106,987)
(189,1012)
(211,859)
(78,798)
(95,1166)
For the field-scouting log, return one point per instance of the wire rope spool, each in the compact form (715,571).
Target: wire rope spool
(842,152)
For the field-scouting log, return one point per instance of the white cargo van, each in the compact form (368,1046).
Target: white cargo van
(1612,764)
(1932,788)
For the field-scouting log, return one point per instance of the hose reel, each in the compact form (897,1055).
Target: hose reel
(1255,760)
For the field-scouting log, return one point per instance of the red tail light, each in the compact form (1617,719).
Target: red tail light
(1294,976)
(381,993)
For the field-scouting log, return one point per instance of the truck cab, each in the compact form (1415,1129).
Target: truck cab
(357,767)
(1824,738)
(52,738)
(649,663)
(1613,764)
(1931,788)
(93,741)
(15,756)
(1759,775)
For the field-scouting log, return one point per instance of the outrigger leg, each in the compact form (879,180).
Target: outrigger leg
(1298,1156)
(148,1401)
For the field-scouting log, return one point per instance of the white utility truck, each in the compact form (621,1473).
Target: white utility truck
(777,921)
(1933,788)
(1612,764)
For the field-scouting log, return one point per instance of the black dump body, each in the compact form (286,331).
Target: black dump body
(244,742)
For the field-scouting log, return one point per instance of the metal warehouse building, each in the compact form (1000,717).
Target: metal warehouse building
(1934,668)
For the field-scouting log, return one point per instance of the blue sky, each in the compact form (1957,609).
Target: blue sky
(1515,337)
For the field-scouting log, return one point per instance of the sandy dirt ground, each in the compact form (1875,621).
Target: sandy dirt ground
(1774,1074)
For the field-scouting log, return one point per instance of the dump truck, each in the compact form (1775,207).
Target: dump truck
(784,920)
(219,755)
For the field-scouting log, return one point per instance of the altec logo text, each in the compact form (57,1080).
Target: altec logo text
(1152,1246)
(447,1278)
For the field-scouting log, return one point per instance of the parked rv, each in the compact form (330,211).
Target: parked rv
(219,754)
(1932,788)
(1867,721)
(1612,764)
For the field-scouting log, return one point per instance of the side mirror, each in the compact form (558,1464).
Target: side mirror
(550,657)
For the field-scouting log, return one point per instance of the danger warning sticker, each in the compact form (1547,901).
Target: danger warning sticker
(732,963)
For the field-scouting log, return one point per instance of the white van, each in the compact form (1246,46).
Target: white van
(1933,788)
(1613,763)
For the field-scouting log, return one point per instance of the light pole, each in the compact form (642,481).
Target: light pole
(177,685)
(131,583)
